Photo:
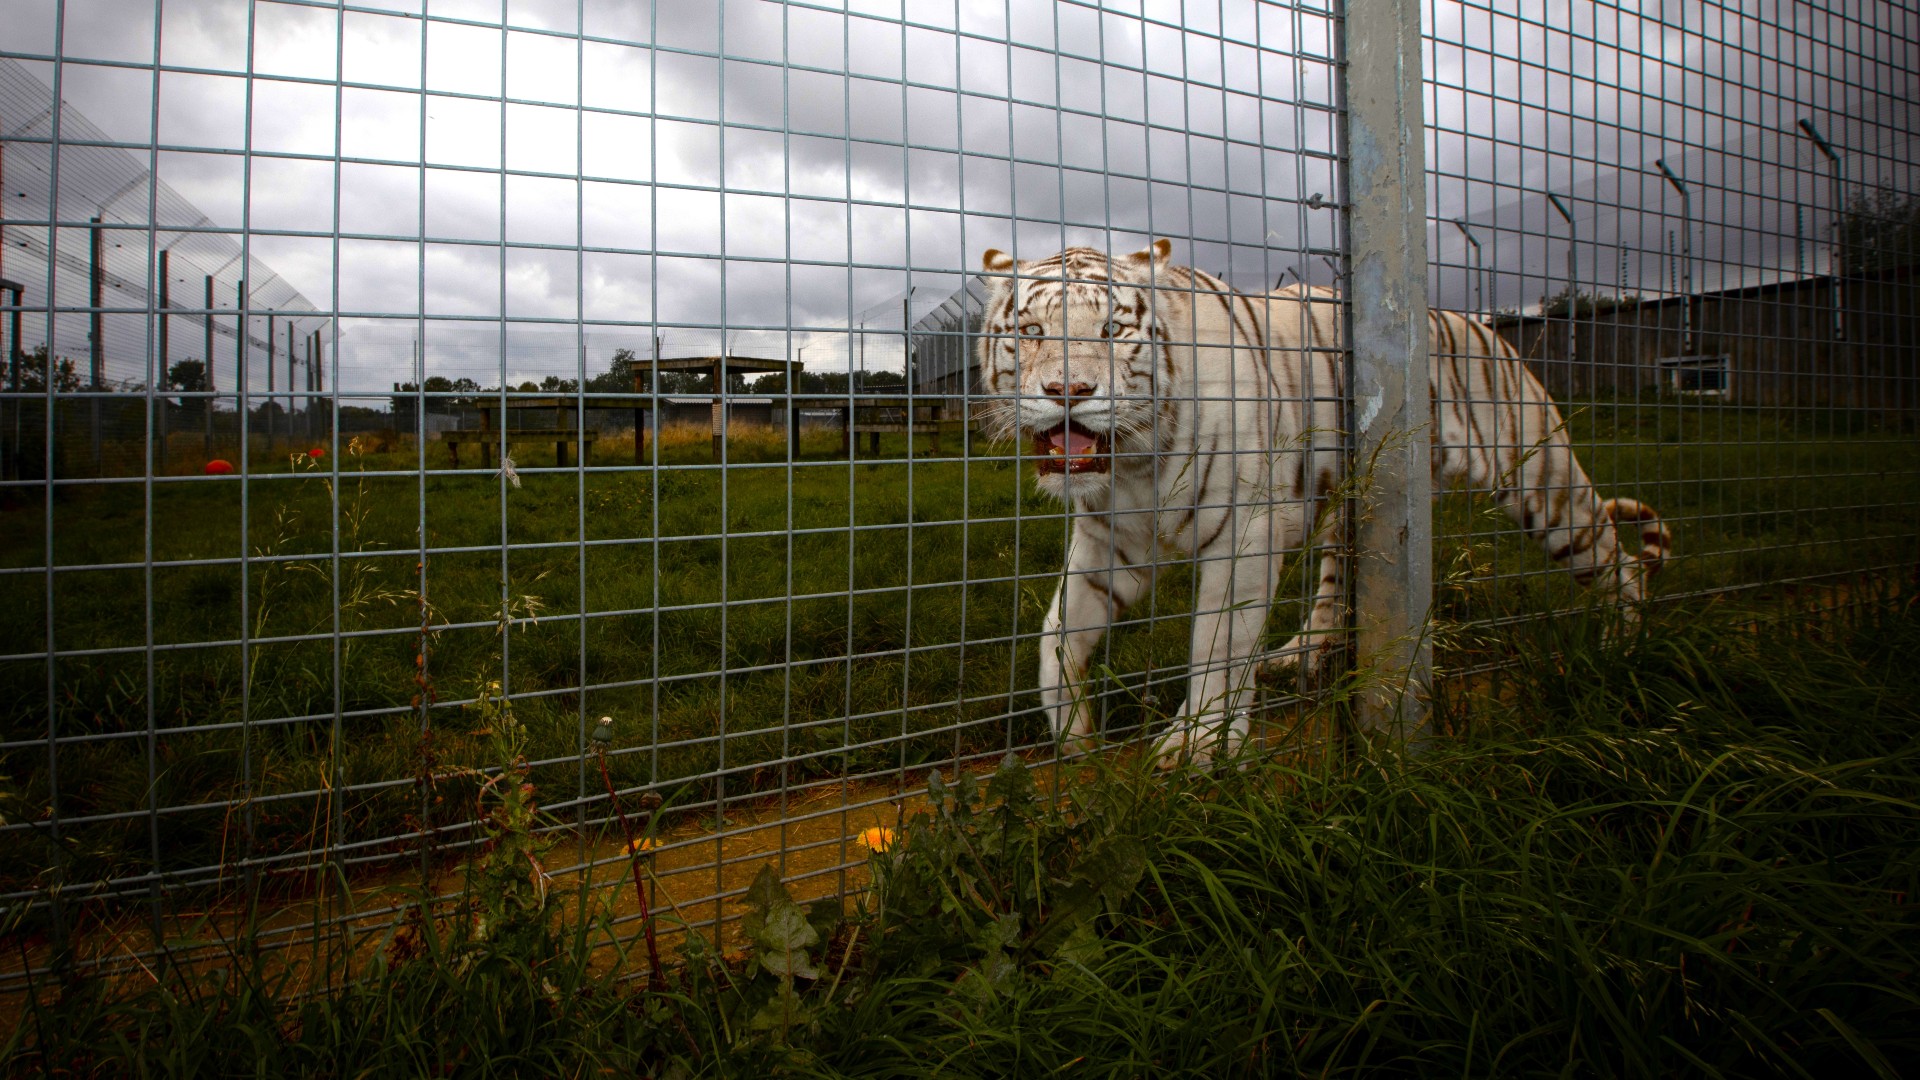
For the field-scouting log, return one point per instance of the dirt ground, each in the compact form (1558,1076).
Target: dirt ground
(695,870)
(694,874)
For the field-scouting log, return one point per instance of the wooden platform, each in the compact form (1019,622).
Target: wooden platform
(489,440)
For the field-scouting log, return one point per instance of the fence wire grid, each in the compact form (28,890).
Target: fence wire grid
(397,389)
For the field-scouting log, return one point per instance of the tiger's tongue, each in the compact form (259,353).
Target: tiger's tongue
(1073,443)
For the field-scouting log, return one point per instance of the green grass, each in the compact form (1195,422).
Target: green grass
(1684,852)
(897,632)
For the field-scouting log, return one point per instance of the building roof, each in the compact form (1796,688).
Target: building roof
(1743,292)
(736,365)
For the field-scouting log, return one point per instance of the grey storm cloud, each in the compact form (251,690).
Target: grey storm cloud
(764,177)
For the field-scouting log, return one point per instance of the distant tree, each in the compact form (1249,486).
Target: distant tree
(404,399)
(618,378)
(188,376)
(880,382)
(889,383)
(33,372)
(362,418)
(1583,304)
(1880,231)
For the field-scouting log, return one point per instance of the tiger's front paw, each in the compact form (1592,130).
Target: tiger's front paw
(1076,744)
(1205,744)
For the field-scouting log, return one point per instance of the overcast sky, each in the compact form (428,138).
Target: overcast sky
(602,170)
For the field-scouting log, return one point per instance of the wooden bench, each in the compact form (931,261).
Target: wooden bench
(897,416)
(488,440)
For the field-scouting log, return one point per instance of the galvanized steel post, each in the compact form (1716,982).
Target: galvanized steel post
(1386,244)
(1573,292)
(1686,256)
(96,336)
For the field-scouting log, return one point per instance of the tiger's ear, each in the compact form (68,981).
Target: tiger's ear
(996,261)
(1156,253)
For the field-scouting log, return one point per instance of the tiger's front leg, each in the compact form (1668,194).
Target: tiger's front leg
(1103,577)
(1235,592)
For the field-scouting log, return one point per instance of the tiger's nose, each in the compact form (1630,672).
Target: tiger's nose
(1068,391)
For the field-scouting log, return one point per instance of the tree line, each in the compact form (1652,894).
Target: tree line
(449,395)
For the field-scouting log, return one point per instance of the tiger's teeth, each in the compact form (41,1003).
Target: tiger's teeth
(1055,451)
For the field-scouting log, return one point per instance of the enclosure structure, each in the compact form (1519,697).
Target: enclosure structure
(1768,345)
(301,682)
(134,239)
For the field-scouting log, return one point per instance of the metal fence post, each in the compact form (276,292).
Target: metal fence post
(210,387)
(96,335)
(269,407)
(293,403)
(1386,245)
(163,378)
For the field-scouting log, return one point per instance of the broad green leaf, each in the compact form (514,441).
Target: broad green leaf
(767,891)
(1082,947)
(782,1012)
(784,940)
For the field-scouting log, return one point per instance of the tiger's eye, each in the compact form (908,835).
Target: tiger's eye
(1113,329)
(1031,329)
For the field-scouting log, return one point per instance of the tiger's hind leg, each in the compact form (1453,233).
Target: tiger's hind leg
(1656,541)
(1307,651)
(1576,529)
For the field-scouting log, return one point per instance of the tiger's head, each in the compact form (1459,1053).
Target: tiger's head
(1068,356)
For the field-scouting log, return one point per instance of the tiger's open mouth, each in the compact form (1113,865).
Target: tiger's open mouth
(1071,449)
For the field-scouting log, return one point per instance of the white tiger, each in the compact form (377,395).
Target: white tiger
(1171,412)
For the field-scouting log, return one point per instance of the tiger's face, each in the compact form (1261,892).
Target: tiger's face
(1069,352)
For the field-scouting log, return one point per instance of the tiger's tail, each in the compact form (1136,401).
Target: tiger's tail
(1655,539)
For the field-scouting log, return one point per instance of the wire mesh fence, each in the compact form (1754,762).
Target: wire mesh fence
(1666,214)
(394,392)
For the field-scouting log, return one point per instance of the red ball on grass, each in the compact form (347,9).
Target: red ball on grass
(219,467)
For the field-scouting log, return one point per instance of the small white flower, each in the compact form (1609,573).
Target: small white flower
(507,470)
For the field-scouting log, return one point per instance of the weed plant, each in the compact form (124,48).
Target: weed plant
(1685,850)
